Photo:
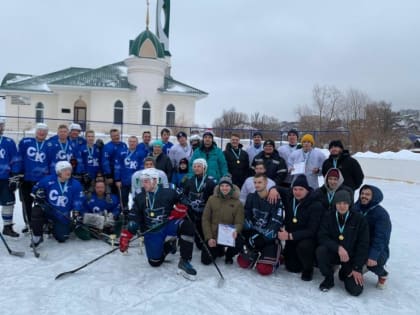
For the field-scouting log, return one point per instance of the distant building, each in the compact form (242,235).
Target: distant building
(138,90)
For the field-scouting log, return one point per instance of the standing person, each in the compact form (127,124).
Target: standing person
(309,158)
(109,153)
(154,208)
(181,150)
(333,182)
(76,141)
(91,155)
(9,180)
(237,160)
(223,207)
(303,214)
(256,146)
(162,161)
(263,221)
(58,198)
(127,162)
(286,150)
(34,164)
(62,150)
(179,175)
(195,141)
(343,240)
(380,228)
(276,167)
(144,148)
(165,134)
(197,190)
(349,167)
(208,150)
(249,187)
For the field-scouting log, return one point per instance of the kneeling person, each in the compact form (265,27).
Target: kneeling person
(154,214)
(57,197)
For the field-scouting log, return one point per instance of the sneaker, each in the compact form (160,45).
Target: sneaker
(307,275)
(36,241)
(381,284)
(327,284)
(8,230)
(186,269)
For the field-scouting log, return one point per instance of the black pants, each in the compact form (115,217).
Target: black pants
(196,218)
(326,261)
(25,191)
(125,192)
(218,251)
(299,255)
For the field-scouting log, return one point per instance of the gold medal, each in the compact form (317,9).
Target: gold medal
(341,237)
(238,162)
(294,220)
(152,214)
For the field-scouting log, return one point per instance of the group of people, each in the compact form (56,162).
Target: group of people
(267,198)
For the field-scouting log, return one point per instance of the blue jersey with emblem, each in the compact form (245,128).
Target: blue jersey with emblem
(91,157)
(64,152)
(34,158)
(126,164)
(8,157)
(109,154)
(99,205)
(62,197)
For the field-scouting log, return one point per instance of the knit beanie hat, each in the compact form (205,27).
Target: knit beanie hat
(308,138)
(301,181)
(342,196)
(333,172)
(336,143)
(226,180)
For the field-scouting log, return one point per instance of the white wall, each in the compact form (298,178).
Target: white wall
(399,170)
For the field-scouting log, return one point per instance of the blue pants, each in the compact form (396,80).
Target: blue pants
(154,241)
(42,214)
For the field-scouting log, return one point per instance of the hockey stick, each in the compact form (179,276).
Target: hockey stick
(107,253)
(11,252)
(222,279)
(25,215)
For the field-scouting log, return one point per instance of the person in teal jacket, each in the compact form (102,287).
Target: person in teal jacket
(208,150)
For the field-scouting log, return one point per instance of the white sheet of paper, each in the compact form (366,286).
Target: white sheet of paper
(299,168)
(225,235)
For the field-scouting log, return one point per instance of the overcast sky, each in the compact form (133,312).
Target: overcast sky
(263,56)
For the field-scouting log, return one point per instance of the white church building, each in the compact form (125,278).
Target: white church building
(137,92)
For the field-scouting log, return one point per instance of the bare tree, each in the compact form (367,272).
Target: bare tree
(230,119)
(327,102)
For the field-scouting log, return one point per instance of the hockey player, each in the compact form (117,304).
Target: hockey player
(262,222)
(197,190)
(102,213)
(58,197)
(76,141)
(34,164)
(136,184)
(154,209)
(8,180)
(91,155)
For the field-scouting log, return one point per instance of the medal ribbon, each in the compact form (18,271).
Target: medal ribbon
(63,188)
(150,200)
(236,155)
(198,187)
(330,196)
(341,228)
(65,147)
(295,207)
(38,149)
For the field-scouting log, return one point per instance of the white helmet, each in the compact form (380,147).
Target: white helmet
(195,137)
(41,126)
(149,173)
(74,126)
(201,161)
(62,165)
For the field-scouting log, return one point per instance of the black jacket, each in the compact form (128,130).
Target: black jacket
(275,165)
(163,163)
(356,237)
(349,167)
(239,171)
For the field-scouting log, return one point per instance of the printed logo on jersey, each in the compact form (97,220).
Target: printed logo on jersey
(63,156)
(34,155)
(57,199)
(2,153)
(130,164)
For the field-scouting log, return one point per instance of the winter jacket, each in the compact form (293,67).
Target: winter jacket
(216,162)
(379,223)
(248,187)
(349,167)
(197,191)
(314,159)
(239,171)
(252,152)
(308,214)
(221,209)
(356,237)
(262,216)
(325,194)
(164,164)
(275,166)
(178,152)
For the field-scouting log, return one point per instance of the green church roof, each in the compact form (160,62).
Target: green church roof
(135,45)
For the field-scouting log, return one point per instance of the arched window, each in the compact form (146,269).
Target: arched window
(145,114)
(118,112)
(39,113)
(170,115)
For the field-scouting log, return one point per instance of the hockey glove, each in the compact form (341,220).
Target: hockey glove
(14,181)
(125,238)
(99,144)
(178,212)
(39,195)
(256,241)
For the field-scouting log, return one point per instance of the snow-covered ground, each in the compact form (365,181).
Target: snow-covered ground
(126,284)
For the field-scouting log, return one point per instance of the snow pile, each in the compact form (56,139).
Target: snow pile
(401,155)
